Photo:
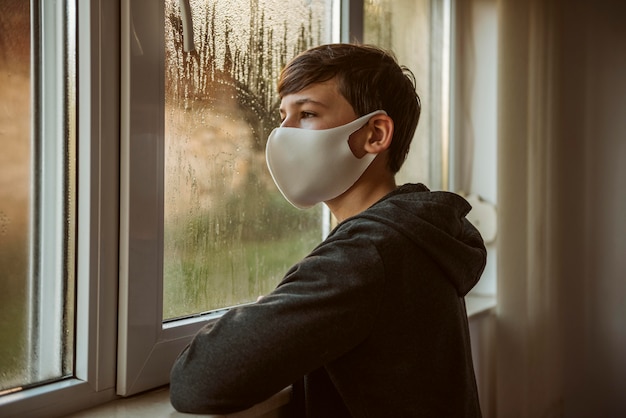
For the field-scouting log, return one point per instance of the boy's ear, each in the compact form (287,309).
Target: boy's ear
(381,134)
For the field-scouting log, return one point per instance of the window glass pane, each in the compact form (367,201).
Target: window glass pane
(229,235)
(415,31)
(15,166)
(37,195)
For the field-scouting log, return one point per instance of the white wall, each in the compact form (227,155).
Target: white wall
(474,150)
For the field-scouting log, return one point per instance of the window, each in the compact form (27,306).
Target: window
(229,236)
(148,178)
(203,227)
(68,240)
(37,206)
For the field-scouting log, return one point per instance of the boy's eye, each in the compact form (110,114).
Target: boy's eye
(304,114)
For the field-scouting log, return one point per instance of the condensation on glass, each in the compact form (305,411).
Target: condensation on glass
(229,236)
(415,31)
(36,303)
(15,180)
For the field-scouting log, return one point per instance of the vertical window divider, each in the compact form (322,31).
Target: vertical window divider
(146,349)
(97,113)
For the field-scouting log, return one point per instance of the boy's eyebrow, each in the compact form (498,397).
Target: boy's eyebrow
(309,100)
(302,101)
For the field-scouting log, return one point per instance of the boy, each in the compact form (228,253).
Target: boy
(374,318)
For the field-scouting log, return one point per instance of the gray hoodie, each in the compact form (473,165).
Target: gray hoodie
(372,323)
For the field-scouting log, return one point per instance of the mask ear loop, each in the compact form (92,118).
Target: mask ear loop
(368,117)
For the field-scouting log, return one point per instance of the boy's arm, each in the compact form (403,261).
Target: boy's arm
(321,310)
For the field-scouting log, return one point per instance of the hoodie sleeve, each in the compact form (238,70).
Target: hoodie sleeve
(324,307)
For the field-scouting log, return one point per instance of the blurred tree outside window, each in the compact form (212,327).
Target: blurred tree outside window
(229,235)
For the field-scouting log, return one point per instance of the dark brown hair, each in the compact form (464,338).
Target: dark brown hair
(370,79)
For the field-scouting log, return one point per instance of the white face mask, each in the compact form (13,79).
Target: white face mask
(310,166)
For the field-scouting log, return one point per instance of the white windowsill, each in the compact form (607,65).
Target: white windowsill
(479,304)
(157,402)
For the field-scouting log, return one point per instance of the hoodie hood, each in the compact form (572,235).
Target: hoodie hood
(436,223)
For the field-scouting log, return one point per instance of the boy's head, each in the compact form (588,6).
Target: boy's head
(369,78)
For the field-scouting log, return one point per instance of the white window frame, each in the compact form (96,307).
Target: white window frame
(147,347)
(49,203)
